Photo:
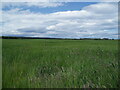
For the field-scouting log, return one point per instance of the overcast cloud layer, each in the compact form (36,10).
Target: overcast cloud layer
(94,21)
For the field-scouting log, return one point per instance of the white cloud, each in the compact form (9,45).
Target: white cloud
(45,4)
(24,0)
(102,8)
(91,21)
(30,4)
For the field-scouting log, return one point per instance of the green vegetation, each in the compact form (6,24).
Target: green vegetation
(44,63)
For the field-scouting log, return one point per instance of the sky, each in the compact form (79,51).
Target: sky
(60,19)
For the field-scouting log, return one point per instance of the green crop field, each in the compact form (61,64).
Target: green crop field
(49,63)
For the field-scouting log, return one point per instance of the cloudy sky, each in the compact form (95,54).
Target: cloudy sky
(60,19)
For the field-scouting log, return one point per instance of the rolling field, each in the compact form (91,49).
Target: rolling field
(40,63)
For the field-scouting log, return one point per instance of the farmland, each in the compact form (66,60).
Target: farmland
(50,63)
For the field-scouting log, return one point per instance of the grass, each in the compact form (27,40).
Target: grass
(40,63)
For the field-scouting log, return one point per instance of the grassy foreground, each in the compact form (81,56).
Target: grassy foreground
(39,63)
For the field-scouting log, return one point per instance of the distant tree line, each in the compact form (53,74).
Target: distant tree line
(13,37)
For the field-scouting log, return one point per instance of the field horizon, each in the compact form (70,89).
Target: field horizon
(60,44)
(85,38)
